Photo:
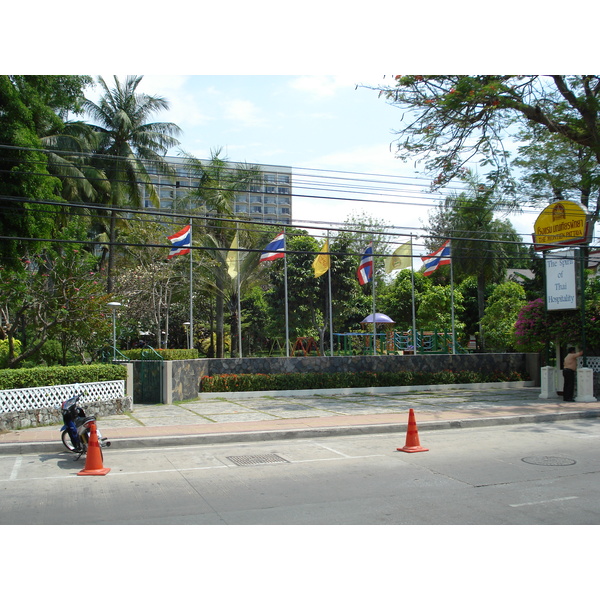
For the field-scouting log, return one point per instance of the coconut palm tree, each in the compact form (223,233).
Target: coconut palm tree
(129,146)
(219,183)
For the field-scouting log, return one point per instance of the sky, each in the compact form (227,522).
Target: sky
(272,85)
(335,132)
(324,127)
(318,125)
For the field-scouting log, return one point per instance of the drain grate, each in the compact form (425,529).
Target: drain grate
(549,461)
(256,459)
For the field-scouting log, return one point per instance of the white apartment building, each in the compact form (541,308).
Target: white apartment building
(269,201)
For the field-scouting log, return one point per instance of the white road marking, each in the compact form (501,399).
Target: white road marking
(16,467)
(185,469)
(544,501)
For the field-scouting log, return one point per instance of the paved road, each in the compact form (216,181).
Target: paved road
(538,473)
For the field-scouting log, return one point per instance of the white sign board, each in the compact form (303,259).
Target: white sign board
(561,281)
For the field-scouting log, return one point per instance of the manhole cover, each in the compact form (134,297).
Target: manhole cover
(549,461)
(256,459)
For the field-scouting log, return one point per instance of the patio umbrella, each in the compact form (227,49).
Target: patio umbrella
(379,318)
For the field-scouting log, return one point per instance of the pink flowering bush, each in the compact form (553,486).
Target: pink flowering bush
(535,327)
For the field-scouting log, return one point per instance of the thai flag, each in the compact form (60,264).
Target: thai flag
(275,249)
(182,240)
(437,259)
(365,269)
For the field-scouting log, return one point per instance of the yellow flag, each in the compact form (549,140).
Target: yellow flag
(400,259)
(232,258)
(322,262)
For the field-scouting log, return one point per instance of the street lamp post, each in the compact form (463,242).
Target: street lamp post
(114,306)
(188,333)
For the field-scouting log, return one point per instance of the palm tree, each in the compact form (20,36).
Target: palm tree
(219,183)
(69,155)
(482,244)
(128,143)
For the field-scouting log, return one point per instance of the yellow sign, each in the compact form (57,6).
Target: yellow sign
(562,223)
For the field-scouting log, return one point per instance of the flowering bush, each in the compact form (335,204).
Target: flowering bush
(535,327)
(531,328)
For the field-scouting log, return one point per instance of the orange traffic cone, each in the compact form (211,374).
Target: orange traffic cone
(93,459)
(412,436)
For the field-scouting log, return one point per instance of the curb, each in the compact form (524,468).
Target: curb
(291,434)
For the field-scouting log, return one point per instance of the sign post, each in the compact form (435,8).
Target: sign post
(566,224)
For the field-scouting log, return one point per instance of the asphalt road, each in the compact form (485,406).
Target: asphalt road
(524,474)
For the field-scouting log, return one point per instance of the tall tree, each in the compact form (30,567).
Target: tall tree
(481,243)
(452,119)
(219,182)
(56,293)
(555,168)
(129,146)
(31,106)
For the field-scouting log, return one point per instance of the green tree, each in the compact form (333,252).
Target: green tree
(501,314)
(557,169)
(482,244)
(54,294)
(219,182)
(396,298)
(452,119)
(435,310)
(129,145)
(350,304)
(148,281)
(30,106)
(302,286)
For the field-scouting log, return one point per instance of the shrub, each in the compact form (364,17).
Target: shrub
(47,376)
(308,381)
(165,354)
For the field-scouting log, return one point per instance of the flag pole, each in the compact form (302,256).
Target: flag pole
(330,300)
(285,287)
(412,280)
(452,299)
(374,324)
(239,294)
(191,345)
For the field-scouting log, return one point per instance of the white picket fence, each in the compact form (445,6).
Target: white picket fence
(53,396)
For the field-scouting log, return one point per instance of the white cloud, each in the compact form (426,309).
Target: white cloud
(322,86)
(243,112)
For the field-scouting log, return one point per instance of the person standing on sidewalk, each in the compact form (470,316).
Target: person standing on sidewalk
(569,369)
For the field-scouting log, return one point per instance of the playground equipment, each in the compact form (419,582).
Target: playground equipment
(395,342)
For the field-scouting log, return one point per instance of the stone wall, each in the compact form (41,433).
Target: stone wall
(42,417)
(182,381)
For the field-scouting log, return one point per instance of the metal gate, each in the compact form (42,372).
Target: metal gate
(148,389)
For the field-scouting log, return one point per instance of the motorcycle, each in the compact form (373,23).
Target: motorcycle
(76,429)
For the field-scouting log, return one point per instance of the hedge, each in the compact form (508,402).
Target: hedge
(47,376)
(165,354)
(307,381)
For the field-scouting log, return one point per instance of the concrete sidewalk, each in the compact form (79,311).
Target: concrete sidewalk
(240,418)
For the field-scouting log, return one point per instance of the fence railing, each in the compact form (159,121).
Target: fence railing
(53,396)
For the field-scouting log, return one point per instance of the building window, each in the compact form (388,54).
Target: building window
(283,190)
